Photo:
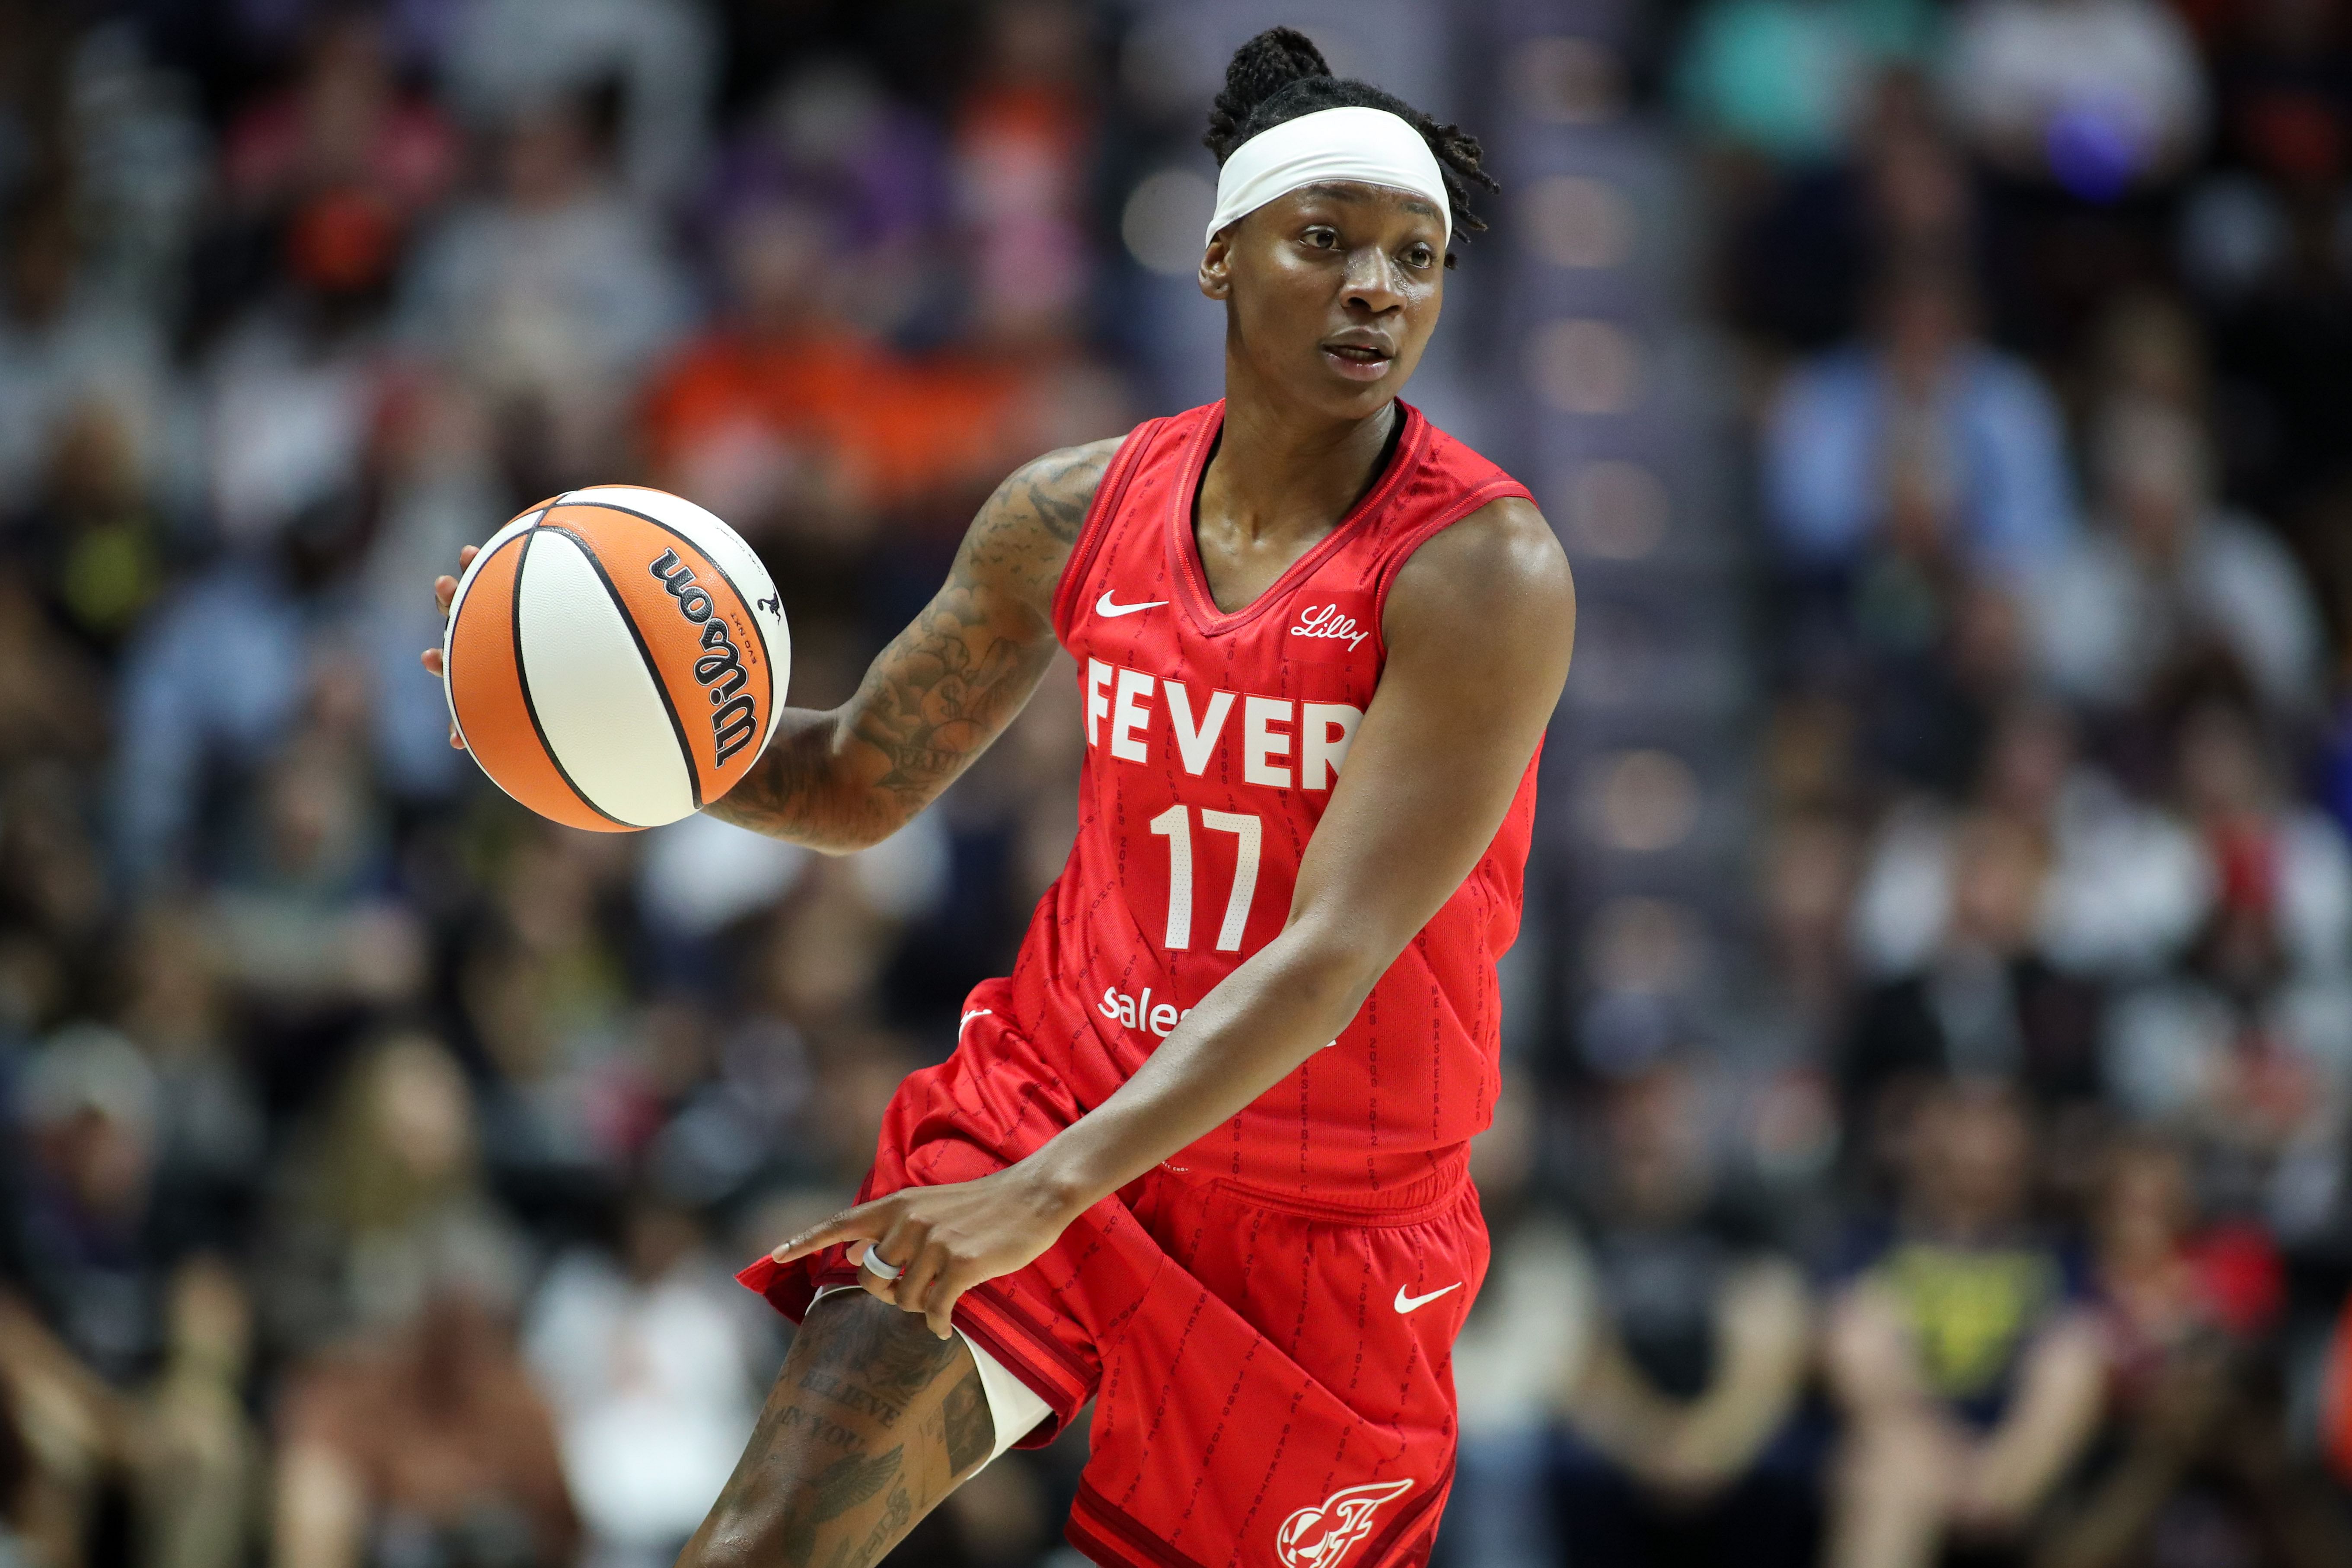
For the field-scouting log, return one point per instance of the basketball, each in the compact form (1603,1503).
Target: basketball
(615,657)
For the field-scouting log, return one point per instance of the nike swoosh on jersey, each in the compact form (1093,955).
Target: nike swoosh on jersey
(1103,608)
(1405,1303)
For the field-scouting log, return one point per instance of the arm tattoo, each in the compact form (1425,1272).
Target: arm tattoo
(946,687)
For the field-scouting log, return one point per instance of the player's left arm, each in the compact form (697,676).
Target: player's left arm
(1479,625)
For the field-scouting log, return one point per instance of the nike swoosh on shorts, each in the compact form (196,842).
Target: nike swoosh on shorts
(1405,1303)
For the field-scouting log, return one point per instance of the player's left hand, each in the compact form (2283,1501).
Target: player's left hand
(445,590)
(945,1240)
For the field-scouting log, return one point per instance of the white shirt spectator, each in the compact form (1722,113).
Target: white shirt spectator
(2106,617)
(2120,78)
(48,369)
(663,52)
(2126,889)
(544,299)
(651,1386)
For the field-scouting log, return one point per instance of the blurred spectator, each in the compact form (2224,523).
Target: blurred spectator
(52,885)
(440,485)
(1021,149)
(554,292)
(655,57)
(1797,997)
(302,919)
(2249,1041)
(1789,79)
(336,170)
(43,711)
(63,347)
(546,1002)
(1900,196)
(2172,1289)
(1921,439)
(2120,887)
(1968,1371)
(345,123)
(2200,1470)
(90,533)
(1986,1004)
(91,1237)
(1513,1358)
(2286,95)
(2172,578)
(1692,1356)
(765,416)
(208,684)
(427,1442)
(650,1362)
(132,1380)
(210,1127)
(2094,95)
(385,1188)
(2277,296)
(831,138)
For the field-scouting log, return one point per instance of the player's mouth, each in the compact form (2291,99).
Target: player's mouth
(1359,360)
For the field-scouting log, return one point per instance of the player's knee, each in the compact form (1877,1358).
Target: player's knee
(717,1547)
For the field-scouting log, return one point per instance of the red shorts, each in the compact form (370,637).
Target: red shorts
(1272,1380)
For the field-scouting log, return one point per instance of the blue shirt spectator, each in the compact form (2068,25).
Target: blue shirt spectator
(216,676)
(1921,413)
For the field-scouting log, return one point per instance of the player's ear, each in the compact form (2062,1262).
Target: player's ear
(1216,267)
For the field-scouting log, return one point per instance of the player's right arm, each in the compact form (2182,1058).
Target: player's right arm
(842,778)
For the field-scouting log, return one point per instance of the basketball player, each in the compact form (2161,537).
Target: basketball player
(1201,1160)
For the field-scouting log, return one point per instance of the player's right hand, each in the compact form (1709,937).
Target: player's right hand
(444,589)
(951,1237)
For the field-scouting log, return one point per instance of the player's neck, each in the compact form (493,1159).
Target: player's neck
(1279,472)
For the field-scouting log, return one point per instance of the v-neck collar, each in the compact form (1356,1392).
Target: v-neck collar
(1185,544)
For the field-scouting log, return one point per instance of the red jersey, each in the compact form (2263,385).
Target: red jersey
(1212,743)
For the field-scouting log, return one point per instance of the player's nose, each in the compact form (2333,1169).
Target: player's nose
(1373,282)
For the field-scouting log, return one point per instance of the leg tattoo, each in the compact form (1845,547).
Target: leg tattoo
(871,1423)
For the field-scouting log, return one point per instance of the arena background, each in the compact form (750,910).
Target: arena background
(1931,1034)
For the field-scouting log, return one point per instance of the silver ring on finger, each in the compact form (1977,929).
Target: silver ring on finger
(882,1267)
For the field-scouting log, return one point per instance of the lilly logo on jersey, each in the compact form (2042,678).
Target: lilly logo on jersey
(1323,1535)
(1325,621)
(720,669)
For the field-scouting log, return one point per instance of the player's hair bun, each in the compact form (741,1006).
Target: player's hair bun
(1260,68)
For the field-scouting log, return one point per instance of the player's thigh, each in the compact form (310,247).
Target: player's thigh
(871,1422)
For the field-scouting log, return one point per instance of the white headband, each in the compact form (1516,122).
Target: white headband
(1369,146)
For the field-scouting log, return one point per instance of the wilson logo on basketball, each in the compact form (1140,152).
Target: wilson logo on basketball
(1322,1536)
(720,669)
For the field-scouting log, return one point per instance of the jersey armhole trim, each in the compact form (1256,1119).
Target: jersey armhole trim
(1099,511)
(1494,489)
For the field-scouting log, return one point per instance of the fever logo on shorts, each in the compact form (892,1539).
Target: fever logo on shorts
(1322,1536)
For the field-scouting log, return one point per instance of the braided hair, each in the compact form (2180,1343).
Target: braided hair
(1281,75)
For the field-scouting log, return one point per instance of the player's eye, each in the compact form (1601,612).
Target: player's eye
(1323,238)
(1419,256)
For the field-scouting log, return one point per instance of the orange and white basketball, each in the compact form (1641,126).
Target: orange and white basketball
(615,657)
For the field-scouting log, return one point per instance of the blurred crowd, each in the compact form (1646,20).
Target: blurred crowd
(376,1154)
(1990,1203)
